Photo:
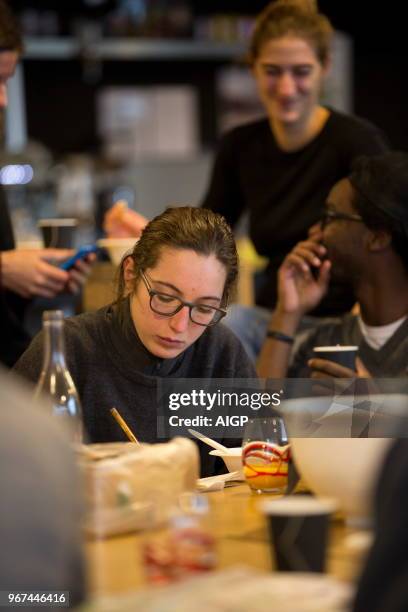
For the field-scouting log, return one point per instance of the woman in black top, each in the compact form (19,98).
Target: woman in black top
(281,168)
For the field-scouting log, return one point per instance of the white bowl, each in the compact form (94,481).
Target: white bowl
(232,459)
(343,468)
(117,247)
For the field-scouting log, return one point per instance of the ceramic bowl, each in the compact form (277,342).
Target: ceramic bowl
(117,247)
(330,461)
(232,459)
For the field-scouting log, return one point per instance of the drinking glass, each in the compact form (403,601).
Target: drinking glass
(265,455)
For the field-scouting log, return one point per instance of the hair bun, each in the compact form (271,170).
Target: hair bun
(307,6)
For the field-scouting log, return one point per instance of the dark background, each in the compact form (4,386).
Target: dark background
(380,88)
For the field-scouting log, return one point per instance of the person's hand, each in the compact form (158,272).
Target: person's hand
(315,231)
(323,368)
(299,290)
(31,272)
(121,222)
(78,275)
(325,371)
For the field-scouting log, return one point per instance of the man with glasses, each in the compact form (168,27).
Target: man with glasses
(362,238)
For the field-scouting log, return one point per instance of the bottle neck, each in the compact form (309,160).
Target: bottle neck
(54,344)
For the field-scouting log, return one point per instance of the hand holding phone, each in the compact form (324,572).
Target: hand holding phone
(81,253)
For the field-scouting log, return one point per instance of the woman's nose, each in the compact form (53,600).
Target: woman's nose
(180,321)
(286,84)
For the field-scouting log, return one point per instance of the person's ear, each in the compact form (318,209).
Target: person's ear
(253,69)
(128,274)
(378,240)
(327,66)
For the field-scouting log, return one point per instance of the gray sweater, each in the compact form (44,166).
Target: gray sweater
(111,367)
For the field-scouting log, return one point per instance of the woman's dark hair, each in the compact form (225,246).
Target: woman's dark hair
(185,227)
(381,196)
(10,33)
(298,18)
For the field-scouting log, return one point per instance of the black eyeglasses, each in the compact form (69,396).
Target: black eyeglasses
(169,305)
(333,215)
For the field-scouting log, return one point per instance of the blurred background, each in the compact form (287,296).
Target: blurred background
(125,99)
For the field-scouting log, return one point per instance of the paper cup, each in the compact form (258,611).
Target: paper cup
(299,527)
(343,355)
(58,233)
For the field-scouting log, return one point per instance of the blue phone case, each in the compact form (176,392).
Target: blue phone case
(81,253)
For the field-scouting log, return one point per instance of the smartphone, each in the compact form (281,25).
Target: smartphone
(81,253)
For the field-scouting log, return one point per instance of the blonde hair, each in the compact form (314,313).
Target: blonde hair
(299,18)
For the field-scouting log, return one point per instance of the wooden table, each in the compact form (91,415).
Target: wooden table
(115,564)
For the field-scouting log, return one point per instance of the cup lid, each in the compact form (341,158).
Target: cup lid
(337,348)
(57,222)
(293,505)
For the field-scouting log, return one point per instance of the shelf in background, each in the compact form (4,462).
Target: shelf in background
(132,49)
(51,48)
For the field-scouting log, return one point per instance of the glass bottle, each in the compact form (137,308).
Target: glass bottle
(192,540)
(55,379)
(187,548)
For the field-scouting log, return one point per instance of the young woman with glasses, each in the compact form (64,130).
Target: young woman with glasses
(173,291)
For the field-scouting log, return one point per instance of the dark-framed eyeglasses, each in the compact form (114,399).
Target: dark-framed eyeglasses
(168,305)
(333,215)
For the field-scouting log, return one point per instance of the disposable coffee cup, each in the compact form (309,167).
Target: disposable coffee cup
(343,355)
(299,528)
(58,233)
